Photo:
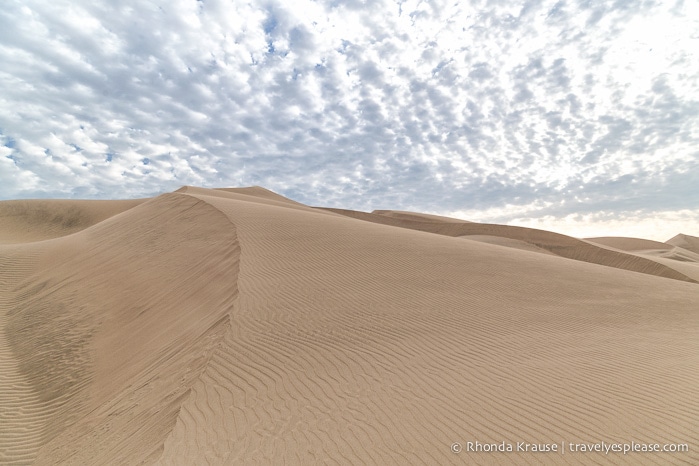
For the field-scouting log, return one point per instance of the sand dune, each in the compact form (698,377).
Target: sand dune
(631,244)
(691,243)
(530,239)
(677,258)
(508,242)
(37,220)
(416,216)
(239,327)
(261,193)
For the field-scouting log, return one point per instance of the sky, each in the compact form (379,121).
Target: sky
(577,116)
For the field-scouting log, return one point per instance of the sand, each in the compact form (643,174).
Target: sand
(236,326)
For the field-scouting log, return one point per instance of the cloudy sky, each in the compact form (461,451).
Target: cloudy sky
(580,116)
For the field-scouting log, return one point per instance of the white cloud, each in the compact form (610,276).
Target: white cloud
(550,107)
(658,226)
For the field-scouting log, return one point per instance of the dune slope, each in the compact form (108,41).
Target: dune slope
(417,216)
(560,245)
(41,219)
(224,327)
(691,243)
(112,327)
(630,244)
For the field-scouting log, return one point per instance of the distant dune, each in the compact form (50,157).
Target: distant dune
(37,220)
(690,243)
(631,244)
(236,326)
(529,239)
(415,216)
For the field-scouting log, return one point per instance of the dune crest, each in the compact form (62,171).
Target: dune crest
(418,217)
(630,244)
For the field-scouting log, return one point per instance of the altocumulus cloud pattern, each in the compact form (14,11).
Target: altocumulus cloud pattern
(556,114)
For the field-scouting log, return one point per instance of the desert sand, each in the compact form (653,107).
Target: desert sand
(236,326)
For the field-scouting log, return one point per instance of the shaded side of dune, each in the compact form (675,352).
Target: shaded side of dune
(560,245)
(114,326)
(22,413)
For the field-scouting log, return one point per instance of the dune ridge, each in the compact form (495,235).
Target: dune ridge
(417,216)
(630,244)
(234,327)
(558,244)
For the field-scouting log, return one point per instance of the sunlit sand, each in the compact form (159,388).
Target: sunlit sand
(237,326)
